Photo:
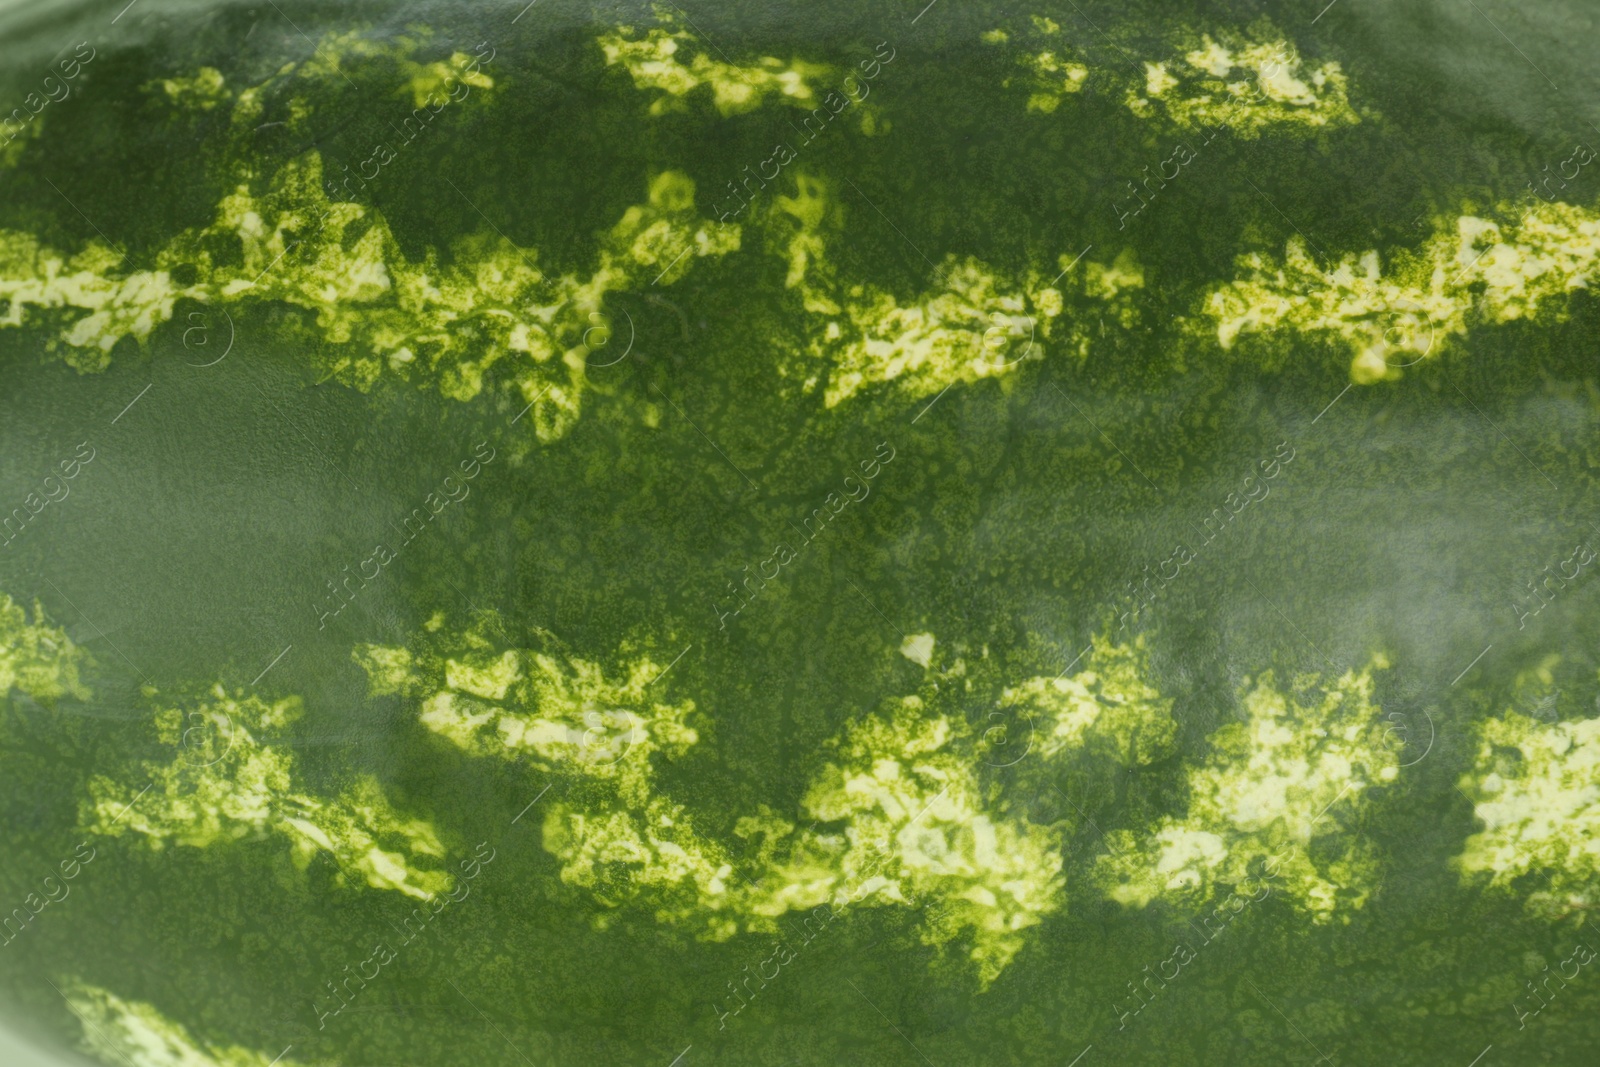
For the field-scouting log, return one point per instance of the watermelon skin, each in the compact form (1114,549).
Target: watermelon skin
(577,530)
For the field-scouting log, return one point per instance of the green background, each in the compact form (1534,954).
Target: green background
(190,550)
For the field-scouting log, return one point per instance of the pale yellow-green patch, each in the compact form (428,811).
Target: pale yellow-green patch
(973,323)
(227,785)
(430,83)
(1049,75)
(1536,787)
(1096,291)
(806,218)
(448,321)
(1273,783)
(39,282)
(898,814)
(330,54)
(1051,79)
(1109,698)
(1474,271)
(571,715)
(1251,85)
(655,242)
(600,726)
(200,91)
(134,1032)
(452,319)
(389,670)
(914,832)
(897,819)
(1109,282)
(36,658)
(326,61)
(648,853)
(1156,79)
(918,648)
(13,141)
(658,61)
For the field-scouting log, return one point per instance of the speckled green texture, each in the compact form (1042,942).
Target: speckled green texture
(793,535)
